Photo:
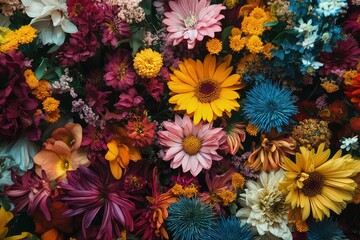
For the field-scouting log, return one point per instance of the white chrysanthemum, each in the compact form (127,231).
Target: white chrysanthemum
(263,205)
(50,18)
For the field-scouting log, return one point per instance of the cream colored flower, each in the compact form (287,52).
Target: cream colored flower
(263,205)
(50,18)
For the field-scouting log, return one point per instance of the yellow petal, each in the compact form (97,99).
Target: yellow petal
(113,150)
(115,169)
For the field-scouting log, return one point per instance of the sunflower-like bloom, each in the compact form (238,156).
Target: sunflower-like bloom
(271,153)
(318,184)
(205,89)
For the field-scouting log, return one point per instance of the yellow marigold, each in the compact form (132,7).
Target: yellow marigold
(214,46)
(26,34)
(148,63)
(254,44)
(260,14)
(177,189)
(235,31)
(227,197)
(349,75)
(252,130)
(330,87)
(230,4)
(50,104)
(237,180)
(3,32)
(42,91)
(295,218)
(237,43)
(52,117)
(10,42)
(190,191)
(267,50)
(31,79)
(252,26)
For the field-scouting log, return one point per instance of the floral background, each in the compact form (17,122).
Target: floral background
(182,119)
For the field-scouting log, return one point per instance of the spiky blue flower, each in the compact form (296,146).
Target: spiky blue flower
(230,229)
(269,106)
(189,219)
(328,229)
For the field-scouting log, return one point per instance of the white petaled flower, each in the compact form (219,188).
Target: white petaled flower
(4,21)
(263,206)
(50,18)
(350,143)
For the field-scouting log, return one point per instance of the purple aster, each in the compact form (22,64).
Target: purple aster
(97,194)
(119,72)
(30,190)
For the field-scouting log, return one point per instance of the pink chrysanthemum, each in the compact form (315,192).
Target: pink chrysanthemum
(192,20)
(192,146)
(119,73)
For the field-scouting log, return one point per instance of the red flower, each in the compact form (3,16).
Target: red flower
(353,92)
(141,131)
(355,124)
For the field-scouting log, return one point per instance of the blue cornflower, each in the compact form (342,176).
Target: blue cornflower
(327,229)
(328,8)
(230,229)
(269,106)
(189,219)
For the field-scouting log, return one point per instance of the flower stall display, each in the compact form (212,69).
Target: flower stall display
(179,119)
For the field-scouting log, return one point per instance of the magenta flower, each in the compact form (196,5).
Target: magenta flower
(114,30)
(192,20)
(129,100)
(194,147)
(155,88)
(119,72)
(343,57)
(30,190)
(97,194)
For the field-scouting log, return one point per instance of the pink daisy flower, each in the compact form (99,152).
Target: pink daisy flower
(192,146)
(192,20)
(119,73)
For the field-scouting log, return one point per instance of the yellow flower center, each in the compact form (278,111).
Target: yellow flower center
(313,184)
(66,165)
(121,71)
(207,91)
(191,145)
(190,21)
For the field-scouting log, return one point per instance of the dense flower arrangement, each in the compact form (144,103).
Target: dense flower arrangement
(179,119)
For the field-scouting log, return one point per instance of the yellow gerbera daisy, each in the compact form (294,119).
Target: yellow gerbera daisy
(205,89)
(318,184)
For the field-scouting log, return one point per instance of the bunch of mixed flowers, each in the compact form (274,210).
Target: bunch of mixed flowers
(178,119)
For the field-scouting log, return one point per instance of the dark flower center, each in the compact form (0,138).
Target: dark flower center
(207,91)
(313,185)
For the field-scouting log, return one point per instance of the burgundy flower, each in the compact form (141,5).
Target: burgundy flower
(114,30)
(343,57)
(17,104)
(119,72)
(97,194)
(155,88)
(351,23)
(86,13)
(81,46)
(96,99)
(30,190)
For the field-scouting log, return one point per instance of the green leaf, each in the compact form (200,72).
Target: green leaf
(53,49)
(270,24)
(40,71)
(136,41)
(146,5)
(225,37)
